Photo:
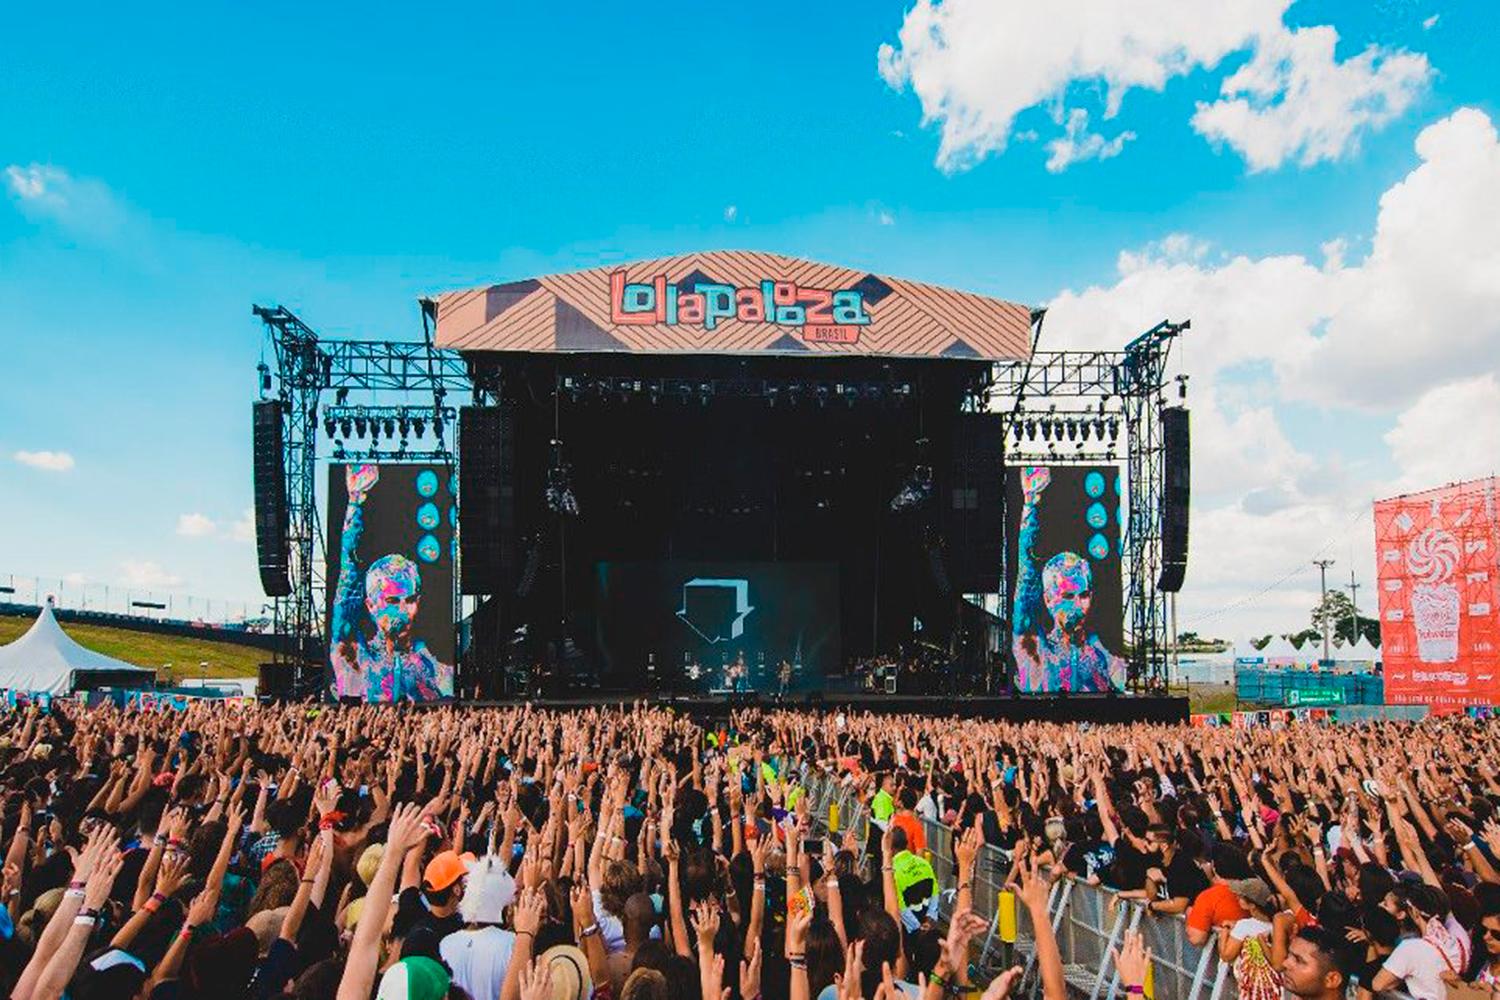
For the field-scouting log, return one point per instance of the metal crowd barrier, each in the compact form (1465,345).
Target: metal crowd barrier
(1088,920)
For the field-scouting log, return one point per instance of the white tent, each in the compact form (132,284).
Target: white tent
(46,659)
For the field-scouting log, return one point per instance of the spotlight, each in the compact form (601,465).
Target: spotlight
(405,427)
(328,426)
(1099,429)
(342,396)
(1114,428)
(1046,430)
(1016,430)
(1031,430)
(437,426)
(345,430)
(390,427)
(265,376)
(1083,429)
(360,426)
(1072,428)
(419,425)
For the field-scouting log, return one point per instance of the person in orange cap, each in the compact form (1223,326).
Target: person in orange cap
(432,908)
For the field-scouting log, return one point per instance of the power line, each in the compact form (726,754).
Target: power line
(1298,568)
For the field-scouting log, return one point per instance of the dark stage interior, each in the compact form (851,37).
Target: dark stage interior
(767,481)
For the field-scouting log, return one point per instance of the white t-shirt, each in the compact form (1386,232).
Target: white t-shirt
(1249,927)
(611,930)
(1420,966)
(479,959)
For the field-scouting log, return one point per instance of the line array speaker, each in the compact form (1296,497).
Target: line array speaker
(267,418)
(1176,491)
(486,499)
(973,503)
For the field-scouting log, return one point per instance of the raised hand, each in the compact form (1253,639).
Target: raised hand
(536,981)
(359,479)
(529,909)
(172,873)
(750,971)
(407,828)
(1003,985)
(1132,959)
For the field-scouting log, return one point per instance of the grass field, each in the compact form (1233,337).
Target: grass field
(146,649)
(1208,698)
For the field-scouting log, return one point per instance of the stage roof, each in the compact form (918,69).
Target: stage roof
(732,302)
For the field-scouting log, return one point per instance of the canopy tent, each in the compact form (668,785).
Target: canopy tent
(47,660)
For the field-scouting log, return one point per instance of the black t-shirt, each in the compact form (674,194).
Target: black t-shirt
(412,913)
(1128,872)
(1185,880)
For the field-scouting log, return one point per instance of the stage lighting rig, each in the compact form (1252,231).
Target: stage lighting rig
(328,426)
(361,425)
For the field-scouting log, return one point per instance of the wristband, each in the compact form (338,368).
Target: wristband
(151,905)
(158,897)
(187,933)
(590,930)
(75,884)
(83,921)
(1135,990)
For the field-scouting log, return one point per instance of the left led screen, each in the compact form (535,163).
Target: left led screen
(390,546)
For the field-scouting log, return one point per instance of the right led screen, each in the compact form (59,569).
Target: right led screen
(1067,606)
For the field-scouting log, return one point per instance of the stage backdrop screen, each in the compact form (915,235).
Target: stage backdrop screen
(390,544)
(1436,573)
(709,613)
(1063,557)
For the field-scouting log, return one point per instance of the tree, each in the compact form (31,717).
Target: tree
(1337,611)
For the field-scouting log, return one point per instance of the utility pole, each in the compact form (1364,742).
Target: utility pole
(1323,565)
(1354,603)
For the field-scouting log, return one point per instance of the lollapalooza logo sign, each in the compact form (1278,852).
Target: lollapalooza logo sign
(818,314)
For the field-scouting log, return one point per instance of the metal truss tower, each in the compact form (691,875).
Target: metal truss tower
(1102,390)
(306,367)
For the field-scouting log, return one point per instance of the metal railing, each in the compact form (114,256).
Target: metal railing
(1089,921)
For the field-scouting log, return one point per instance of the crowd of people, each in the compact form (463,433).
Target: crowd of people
(228,851)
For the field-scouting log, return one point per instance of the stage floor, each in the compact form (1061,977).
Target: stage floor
(1092,708)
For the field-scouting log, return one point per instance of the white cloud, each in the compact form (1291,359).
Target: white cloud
(145,573)
(1405,343)
(47,193)
(50,461)
(195,526)
(885,218)
(1429,23)
(1451,433)
(975,65)
(1078,143)
(75,579)
(1295,101)
(243,530)
(731,212)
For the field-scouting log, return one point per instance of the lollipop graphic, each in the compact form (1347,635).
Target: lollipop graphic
(1432,557)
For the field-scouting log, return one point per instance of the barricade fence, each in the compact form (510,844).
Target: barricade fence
(1088,921)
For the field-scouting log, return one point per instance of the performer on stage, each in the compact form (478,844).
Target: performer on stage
(783,678)
(1059,652)
(735,674)
(390,664)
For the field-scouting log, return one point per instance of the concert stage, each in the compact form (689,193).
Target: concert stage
(723,469)
(1096,709)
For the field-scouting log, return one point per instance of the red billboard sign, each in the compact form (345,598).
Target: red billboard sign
(1439,586)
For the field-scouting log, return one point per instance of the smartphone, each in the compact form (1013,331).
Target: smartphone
(812,845)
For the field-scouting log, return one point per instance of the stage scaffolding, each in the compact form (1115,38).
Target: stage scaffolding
(1082,401)
(410,381)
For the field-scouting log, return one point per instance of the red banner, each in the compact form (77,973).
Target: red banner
(1439,586)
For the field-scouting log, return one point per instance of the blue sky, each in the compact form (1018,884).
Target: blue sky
(159,174)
